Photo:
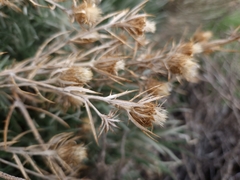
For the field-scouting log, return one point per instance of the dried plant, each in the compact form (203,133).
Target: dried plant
(70,69)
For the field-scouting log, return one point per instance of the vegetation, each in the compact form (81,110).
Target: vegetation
(85,93)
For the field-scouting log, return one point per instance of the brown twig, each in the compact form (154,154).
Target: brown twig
(9,177)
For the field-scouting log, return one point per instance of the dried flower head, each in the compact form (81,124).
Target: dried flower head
(156,88)
(136,26)
(87,13)
(148,114)
(183,66)
(110,64)
(75,76)
(68,150)
(189,48)
(202,36)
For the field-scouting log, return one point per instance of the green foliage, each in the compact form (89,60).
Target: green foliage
(21,34)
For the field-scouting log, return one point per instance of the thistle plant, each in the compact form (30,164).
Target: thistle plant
(101,58)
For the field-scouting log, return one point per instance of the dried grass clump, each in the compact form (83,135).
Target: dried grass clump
(121,72)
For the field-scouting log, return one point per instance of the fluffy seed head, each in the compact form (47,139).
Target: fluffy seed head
(150,26)
(87,13)
(189,48)
(183,65)
(148,114)
(197,48)
(120,65)
(76,76)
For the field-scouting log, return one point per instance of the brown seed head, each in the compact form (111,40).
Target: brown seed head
(73,154)
(110,65)
(87,13)
(189,48)
(183,65)
(202,36)
(76,76)
(157,88)
(148,114)
(67,102)
(185,48)
(137,26)
(68,150)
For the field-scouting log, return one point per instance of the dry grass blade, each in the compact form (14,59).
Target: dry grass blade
(21,135)
(1,53)
(41,96)
(36,4)
(27,117)
(121,40)
(9,177)
(28,171)
(34,165)
(13,6)
(41,48)
(7,121)
(119,16)
(137,8)
(60,120)
(19,163)
(91,121)
(8,143)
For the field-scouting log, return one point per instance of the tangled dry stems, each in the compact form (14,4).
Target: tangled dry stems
(69,65)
